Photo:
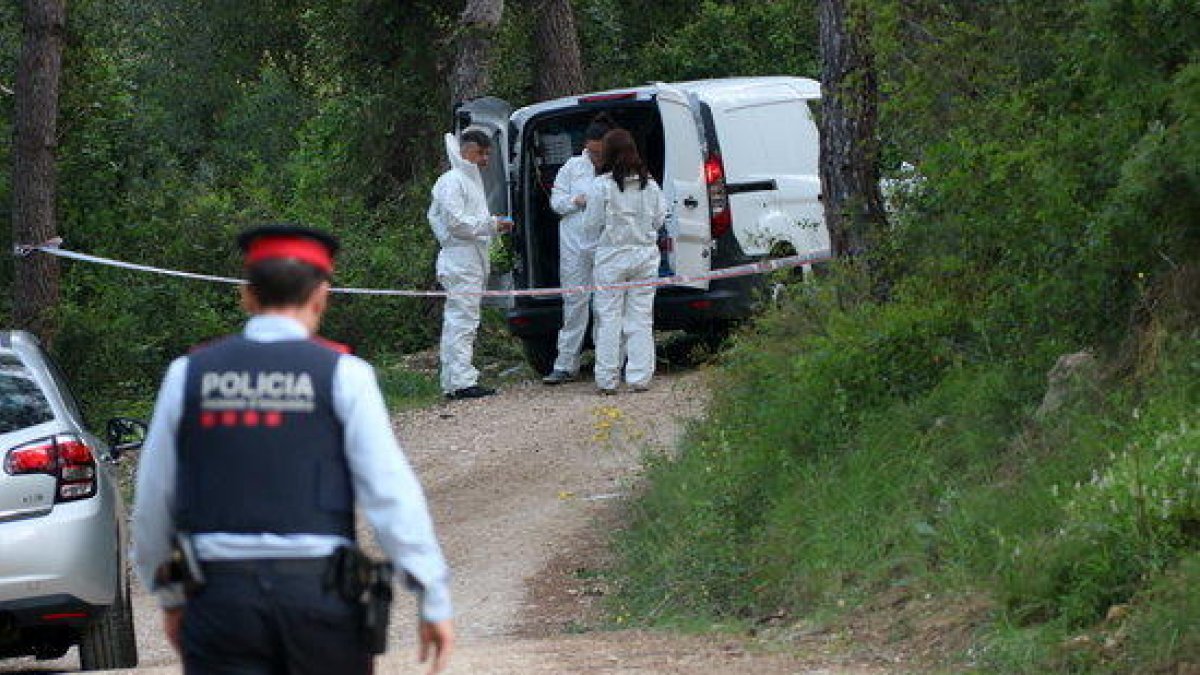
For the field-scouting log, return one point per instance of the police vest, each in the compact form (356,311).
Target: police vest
(260,448)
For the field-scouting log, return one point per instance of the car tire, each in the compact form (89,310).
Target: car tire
(540,352)
(109,642)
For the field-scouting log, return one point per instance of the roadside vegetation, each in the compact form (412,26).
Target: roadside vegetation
(888,436)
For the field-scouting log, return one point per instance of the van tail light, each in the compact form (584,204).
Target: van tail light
(64,616)
(65,456)
(720,217)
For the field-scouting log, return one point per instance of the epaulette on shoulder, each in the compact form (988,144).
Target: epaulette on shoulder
(330,344)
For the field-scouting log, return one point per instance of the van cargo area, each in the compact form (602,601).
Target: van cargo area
(552,139)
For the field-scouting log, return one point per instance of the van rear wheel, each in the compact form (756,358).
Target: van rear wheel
(540,352)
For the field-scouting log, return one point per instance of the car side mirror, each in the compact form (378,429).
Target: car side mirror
(125,434)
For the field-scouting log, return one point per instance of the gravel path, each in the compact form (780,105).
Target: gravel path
(524,487)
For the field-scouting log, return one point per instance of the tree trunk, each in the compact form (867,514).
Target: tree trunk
(473,51)
(559,67)
(849,118)
(34,182)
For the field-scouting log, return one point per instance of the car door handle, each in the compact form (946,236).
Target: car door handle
(690,202)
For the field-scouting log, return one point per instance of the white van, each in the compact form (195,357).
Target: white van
(737,160)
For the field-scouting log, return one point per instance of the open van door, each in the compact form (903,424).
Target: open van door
(684,185)
(490,114)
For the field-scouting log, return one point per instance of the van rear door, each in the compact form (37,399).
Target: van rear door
(490,114)
(684,185)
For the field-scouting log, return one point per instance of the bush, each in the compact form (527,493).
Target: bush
(781,432)
(1135,515)
(1162,633)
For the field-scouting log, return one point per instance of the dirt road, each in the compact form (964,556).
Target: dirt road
(524,487)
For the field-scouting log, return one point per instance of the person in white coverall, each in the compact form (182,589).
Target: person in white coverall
(575,249)
(624,213)
(464,227)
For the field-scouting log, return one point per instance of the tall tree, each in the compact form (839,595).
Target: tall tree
(849,119)
(473,49)
(559,67)
(34,181)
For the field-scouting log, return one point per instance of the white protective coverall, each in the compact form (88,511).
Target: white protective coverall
(464,228)
(575,252)
(625,225)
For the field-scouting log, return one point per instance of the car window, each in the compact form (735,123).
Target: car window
(22,403)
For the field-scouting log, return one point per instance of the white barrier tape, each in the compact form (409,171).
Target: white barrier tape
(64,253)
(760,267)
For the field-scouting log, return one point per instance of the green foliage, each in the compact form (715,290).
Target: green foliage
(1163,630)
(1056,167)
(514,58)
(184,124)
(403,388)
(790,497)
(779,426)
(627,43)
(857,448)
(1135,514)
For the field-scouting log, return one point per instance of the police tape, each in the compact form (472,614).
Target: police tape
(54,248)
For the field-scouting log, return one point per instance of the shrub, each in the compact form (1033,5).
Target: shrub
(1135,515)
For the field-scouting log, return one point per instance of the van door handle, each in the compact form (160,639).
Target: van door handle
(690,202)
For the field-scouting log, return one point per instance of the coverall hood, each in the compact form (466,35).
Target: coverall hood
(454,155)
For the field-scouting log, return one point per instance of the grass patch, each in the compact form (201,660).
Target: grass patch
(888,452)
(404,388)
(1162,631)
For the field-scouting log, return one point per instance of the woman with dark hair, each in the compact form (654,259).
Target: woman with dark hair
(624,213)
(572,184)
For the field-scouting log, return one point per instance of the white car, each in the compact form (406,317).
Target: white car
(63,577)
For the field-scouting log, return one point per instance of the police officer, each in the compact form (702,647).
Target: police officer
(260,447)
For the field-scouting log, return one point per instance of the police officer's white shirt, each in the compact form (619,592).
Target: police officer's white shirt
(385,487)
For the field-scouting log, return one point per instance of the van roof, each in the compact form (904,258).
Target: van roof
(722,91)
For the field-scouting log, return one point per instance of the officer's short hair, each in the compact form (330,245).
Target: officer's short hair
(282,282)
(476,136)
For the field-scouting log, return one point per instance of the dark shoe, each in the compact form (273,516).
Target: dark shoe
(639,388)
(558,377)
(473,391)
(605,391)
